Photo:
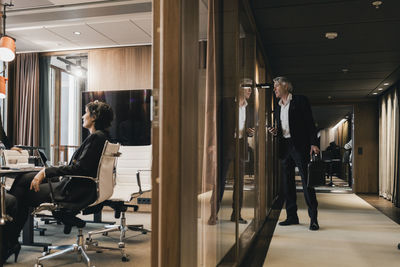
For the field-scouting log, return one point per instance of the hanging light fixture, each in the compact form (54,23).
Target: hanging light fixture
(7,43)
(3,87)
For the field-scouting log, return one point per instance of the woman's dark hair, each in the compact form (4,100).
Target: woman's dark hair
(102,112)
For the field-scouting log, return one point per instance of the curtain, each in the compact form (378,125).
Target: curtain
(209,175)
(388,145)
(395,146)
(44,100)
(26,99)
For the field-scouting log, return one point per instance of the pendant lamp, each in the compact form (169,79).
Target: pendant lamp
(3,87)
(7,43)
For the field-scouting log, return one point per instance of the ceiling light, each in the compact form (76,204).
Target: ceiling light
(331,35)
(329,97)
(375,93)
(7,43)
(77,33)
(3,87)
(386,84)
(377,4)
(339,123)
(345,70)
(380,89)
(7,49)
(78,72)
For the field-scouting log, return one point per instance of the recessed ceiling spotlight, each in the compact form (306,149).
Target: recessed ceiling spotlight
(375,93)
(77,33)
(329,97)
(377,4)
(386,84)
(345,70)
(380,89)
(331,35)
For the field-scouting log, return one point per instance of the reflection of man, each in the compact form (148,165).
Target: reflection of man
(297,140)
(228,148)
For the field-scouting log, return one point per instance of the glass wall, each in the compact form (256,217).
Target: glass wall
(233,145)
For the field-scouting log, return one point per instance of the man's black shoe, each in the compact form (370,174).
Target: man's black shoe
(289,221)
(314,226)
(241,220)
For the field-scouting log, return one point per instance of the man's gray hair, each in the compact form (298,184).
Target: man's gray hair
(283,80)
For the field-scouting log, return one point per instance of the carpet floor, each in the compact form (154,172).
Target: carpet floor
(137,246)
(352,233)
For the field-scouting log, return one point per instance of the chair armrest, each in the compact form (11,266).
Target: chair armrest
(81,176)
(138,179)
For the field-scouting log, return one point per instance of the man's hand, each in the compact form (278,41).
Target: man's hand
(16,149)
(37,180)
(314,149)
(273,130)
(250,132)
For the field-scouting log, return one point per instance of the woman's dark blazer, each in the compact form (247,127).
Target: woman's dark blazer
(84,162)
(301,124)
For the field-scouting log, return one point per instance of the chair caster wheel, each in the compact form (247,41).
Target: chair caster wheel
(121,245)
(144,232)
(99,251)
(105,234)
(398,246)
(38,265)
(125,258)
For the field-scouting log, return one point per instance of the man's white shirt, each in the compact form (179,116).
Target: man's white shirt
(285,116)
(242,119)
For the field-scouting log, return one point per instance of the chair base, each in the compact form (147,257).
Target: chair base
(80,248)
(122,228)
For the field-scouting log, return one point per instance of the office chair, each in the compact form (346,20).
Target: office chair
(66,212)
(135,161)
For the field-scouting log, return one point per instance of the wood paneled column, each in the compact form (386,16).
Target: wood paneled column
(177,237)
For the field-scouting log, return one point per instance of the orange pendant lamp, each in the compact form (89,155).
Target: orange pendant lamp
(7,49)
(3,87)
(7,43)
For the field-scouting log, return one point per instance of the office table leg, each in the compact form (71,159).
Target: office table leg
(27,235)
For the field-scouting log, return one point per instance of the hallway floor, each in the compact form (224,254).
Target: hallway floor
(352,233)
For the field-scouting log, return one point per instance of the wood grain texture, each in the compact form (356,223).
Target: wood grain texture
(155,136)
(124,68)
(365,165)
(170,156)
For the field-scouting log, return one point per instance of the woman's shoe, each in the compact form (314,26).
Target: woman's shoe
(15,250)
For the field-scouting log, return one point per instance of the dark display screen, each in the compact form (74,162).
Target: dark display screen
(132,124)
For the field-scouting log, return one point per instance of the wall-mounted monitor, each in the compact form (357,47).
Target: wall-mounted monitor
(132,122)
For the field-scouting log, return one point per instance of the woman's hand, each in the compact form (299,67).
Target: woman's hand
(37,180)
(16,149)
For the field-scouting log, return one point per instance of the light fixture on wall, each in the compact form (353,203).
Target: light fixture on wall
(7,43)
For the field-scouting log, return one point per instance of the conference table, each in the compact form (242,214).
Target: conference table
(12,173)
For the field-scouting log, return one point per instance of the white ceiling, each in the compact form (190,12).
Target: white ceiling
(49,25)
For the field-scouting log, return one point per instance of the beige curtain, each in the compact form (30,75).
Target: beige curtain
(26,100)
(209,175)
(388,144)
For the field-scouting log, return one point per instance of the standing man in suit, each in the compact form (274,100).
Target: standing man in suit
(297,141)
(228,148)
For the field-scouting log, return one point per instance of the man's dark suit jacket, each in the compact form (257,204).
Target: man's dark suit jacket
(84,162)
(301,124)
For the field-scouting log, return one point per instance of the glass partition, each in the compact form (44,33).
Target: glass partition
(232,160)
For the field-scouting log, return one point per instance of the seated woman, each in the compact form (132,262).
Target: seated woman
(31,189)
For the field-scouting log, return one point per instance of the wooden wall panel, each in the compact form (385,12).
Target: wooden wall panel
(123,68)
(366,138)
